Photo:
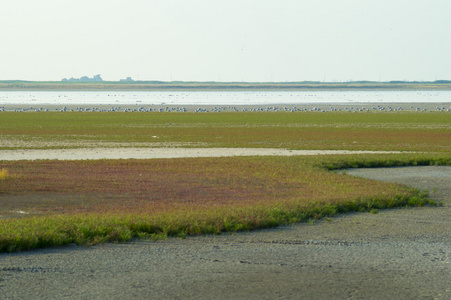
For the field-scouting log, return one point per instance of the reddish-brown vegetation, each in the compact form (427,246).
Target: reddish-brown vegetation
(153,186)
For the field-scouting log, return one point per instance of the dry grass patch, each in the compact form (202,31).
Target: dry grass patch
(4,174)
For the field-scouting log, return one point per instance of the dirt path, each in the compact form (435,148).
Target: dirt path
(395,254)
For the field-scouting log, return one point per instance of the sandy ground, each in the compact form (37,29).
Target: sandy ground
(141,153)
(395,254)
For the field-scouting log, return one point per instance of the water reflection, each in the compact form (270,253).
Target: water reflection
(219,97)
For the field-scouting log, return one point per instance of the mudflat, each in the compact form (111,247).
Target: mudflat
(394,254)
(150,153)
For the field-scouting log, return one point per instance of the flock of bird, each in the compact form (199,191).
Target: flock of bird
(207,109)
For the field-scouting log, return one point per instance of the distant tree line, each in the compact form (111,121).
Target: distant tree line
(95,78)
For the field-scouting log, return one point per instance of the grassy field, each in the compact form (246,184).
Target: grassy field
(52,203)
(399,131)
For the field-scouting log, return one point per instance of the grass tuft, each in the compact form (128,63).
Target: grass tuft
(4,174)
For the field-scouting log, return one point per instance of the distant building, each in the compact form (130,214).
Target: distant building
(85,79)
(127,79)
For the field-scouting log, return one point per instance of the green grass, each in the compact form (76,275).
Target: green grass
(54,203)
(401,131)
(181,197)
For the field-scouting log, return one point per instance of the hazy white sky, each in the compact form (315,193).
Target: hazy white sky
(209,40)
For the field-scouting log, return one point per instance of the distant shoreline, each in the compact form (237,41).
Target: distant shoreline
(18,85)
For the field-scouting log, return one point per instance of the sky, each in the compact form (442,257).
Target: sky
(210,40)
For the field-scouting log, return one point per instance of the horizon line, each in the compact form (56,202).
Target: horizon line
(223,82)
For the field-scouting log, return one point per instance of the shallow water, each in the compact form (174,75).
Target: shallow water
(218,97)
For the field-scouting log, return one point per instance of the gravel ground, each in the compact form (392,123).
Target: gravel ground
(395,254)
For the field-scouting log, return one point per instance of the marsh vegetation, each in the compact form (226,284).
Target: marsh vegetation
(392,131)
(51,203)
